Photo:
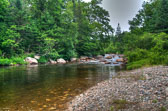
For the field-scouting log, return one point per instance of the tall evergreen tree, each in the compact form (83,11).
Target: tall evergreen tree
(118,30)
(162,17)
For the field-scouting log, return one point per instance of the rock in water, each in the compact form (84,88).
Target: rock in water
(53,62)
(31,60)
(73,59)
(99,57)
(120,60)
(61,61)
(109,57)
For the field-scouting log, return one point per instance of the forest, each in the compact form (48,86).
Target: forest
(72,28)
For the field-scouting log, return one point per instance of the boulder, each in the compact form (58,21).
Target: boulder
(52,62)
(120,60)
(37,57)
(61,61)
(99,57)
(115,63)
(102,60)
(31,60)
(107,62)
(121,55)
(83,58)
(73,59)
(109,57)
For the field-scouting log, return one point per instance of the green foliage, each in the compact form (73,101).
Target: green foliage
(18,60)
(137,64)
(136,55)
(52,28)
(12,61)
(53,56)
(4,62)
(42,60)
(67,29)
(154,101)
(163,109)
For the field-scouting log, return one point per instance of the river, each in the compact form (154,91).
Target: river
(48,87)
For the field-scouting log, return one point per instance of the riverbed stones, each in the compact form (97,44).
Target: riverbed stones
(139,94)
(61,61)
(31,60)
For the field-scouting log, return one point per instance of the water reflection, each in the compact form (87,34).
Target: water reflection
(44,87)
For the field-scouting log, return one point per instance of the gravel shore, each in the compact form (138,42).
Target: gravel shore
(144,89)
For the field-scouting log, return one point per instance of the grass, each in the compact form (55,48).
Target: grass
(163,109)
(137,64)
(119,104)
(154,101)
(133,76)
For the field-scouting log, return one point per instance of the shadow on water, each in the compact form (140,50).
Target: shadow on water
(48,87)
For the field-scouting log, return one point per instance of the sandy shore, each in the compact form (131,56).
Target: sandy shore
(144,89)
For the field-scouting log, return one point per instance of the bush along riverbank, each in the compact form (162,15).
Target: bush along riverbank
(144,89)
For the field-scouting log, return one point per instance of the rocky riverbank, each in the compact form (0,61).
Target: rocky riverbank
(144,89)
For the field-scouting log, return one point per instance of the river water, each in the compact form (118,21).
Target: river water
(48,87)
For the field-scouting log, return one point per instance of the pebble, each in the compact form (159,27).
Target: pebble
(139,92)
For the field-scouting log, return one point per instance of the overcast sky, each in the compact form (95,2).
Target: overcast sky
(121,11)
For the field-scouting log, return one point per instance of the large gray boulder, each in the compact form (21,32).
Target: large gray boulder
(31,60)
(61,61)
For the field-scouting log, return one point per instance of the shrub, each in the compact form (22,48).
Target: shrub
(137,55)
(53,56)
(4,62)
(137,64)
(18,60)
(42,60)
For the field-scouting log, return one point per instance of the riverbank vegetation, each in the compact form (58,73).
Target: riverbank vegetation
(53,29)
(147,41)
(66,29)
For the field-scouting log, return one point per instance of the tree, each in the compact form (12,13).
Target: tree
(162,17)
(118,31)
